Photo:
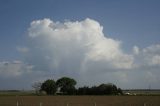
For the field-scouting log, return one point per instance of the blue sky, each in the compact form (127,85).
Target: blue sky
(133,22)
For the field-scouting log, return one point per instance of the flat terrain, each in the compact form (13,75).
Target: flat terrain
(80,100)
(143,91)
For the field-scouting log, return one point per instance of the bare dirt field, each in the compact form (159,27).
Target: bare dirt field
(80,100)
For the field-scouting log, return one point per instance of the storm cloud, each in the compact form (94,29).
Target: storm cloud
(81,50)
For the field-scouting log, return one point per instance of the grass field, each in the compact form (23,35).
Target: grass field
(80,100)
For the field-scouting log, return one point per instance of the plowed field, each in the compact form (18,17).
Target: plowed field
(80,100)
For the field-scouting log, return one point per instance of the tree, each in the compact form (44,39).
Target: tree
(94,90)
(49,86)
(107,89)
(120,91)
(102,89)
(66,85)
(37,87)
(83,90)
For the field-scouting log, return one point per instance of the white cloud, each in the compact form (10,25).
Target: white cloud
(155,60)
(76,43)
(80,50)
(147,57)
(151,55)
(18,75)
(12,69)
(136,50)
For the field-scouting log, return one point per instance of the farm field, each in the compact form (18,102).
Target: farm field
(143,91)
(80,100)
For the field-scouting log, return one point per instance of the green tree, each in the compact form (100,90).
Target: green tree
(107,89)
(66,85)
(49,86)
(83,90)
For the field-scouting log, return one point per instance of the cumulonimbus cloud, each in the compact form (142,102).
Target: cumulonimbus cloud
(75,46)
(81,50)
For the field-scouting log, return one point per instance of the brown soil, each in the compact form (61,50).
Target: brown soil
(80,100)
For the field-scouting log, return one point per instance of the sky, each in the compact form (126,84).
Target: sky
(92,41)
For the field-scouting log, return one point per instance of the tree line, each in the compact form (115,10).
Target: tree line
(66,86)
